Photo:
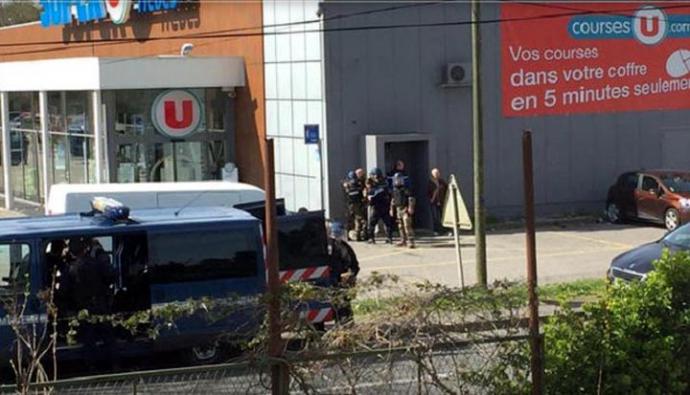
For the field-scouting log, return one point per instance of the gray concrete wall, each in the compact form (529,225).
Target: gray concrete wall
(387,81)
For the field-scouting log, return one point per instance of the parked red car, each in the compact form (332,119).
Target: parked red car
(661,196)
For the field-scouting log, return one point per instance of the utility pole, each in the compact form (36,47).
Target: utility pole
(279,377)
(478,150)
(536,361)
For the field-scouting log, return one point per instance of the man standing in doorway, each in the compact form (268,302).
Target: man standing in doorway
(437,190)
(402,208)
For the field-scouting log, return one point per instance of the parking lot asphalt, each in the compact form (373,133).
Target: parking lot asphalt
(564,253)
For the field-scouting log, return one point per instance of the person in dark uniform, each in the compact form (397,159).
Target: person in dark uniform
(398,167)
(344,270)
(378,197)
(402,208)
(91,279)
(56,265)
(356,206)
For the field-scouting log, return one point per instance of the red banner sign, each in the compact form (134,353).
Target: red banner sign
(564,58)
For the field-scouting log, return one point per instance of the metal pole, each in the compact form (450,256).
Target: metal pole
(97,134)
(45,137)
(278,371)
(321,172)
(456,231)
(6,150)
(478,150)
(535,343)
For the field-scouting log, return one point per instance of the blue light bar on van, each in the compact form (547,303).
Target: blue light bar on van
(110,208)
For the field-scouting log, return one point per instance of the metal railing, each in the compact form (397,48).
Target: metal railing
(459,367)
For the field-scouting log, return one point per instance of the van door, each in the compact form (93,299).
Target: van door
(223,262)
(303,248)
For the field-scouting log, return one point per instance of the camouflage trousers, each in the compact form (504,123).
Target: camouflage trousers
(356,222)
(404,224)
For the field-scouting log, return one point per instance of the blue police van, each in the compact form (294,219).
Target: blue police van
(153,258)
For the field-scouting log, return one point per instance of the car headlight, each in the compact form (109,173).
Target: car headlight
(685,203)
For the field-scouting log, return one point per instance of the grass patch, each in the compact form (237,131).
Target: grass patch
(580,290)
(471,299)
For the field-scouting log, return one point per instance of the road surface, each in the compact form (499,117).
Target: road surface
(564,253)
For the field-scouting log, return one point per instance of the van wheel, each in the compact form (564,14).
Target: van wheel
(205,354)
(613,213)
(671,219)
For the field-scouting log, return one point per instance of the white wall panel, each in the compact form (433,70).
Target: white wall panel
(314,80)
(315,112)
(294,98)
(299,81)
(272,118)
(284,76)
(285,118)
(299,118)
(302,192)
(287,156)
(301,152)
(271,81)
(297,47)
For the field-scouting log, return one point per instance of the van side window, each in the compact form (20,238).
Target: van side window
(201,256)
(15,266)
(302,242)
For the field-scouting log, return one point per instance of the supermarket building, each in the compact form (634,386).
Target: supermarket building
(125,100)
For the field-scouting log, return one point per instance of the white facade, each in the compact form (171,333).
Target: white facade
(295,97)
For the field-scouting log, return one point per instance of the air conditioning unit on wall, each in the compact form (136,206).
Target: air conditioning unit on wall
(457,75)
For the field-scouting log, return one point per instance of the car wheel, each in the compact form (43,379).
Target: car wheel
(613,213)
(671,219)
(205,354)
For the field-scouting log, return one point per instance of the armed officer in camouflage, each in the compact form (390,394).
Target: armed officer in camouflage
(402,209)
(353,187)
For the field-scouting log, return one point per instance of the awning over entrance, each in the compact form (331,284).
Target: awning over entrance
(91,73)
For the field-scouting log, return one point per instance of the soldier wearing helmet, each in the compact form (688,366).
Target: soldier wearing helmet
(353,187)
(402,209)
(378,197)
(344,270)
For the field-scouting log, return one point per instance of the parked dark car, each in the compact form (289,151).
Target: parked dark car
(638,262)
(660,196)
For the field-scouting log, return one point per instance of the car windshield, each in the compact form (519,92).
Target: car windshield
(676,183)
(679,238)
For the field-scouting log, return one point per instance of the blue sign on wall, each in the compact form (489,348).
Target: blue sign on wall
(62,12)
(311,134)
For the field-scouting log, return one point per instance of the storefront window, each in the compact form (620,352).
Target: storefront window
(25,145)
(71,154)
(80,139)
(216,105)
(143,154)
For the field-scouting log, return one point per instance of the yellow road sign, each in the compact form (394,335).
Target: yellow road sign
(454,209)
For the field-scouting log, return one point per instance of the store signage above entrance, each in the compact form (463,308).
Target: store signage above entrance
(62,12)
(177,113)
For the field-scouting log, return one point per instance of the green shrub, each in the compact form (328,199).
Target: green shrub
(632,341)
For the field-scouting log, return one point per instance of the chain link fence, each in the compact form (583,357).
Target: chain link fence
(457,368)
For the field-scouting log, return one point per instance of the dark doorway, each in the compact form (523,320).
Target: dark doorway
(415,154)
